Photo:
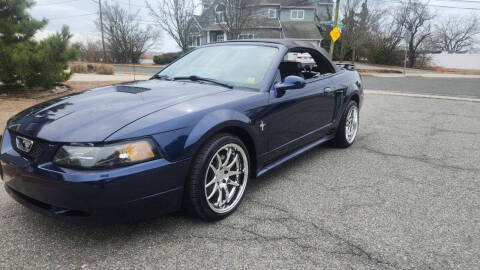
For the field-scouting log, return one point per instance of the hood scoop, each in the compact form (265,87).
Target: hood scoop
(131,89)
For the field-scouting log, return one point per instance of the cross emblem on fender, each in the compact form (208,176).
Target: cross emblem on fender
(262,125)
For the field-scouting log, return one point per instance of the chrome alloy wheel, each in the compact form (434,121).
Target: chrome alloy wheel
(226,178)
(351,124)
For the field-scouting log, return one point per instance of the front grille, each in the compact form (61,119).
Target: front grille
(38,147)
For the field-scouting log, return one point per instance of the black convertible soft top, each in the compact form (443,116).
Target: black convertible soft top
(291,45)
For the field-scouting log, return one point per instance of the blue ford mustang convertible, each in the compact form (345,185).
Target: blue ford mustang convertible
(192,136)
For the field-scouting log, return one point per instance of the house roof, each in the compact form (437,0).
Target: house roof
(301,31)
(284,3)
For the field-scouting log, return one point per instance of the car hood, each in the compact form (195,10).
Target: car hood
(93,115)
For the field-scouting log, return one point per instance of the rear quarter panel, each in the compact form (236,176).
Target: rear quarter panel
(351,83)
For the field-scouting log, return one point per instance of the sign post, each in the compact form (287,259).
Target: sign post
(332,44)
(406,38)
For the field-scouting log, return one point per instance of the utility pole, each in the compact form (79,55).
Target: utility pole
(131,43)
(101,27)
(406,39)
(335,24)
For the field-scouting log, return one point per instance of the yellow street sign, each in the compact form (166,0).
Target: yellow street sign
(335,34)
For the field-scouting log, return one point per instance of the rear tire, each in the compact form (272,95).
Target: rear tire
(218,178)
(348,129)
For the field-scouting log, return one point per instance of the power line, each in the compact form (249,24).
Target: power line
(437,6)
(101,26)
(465,8)
(461,1)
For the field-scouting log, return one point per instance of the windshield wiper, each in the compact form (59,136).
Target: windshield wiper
(162,77)
(195,78)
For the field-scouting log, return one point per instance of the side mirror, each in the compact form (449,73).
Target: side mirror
(290,83)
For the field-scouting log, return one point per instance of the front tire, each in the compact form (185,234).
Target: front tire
(218,178)
(348,128)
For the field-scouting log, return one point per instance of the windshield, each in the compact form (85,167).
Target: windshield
(238,65)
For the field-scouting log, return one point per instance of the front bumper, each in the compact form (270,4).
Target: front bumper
(140,191)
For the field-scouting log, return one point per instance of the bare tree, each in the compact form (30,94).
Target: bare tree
(175,17)
(390,35)
(360,22)
(233,16)
(455,34)
(350,21)
(126,39)
(415,18)
(91,51)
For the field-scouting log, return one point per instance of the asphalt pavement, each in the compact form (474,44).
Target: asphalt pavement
(404,196)
(457,87)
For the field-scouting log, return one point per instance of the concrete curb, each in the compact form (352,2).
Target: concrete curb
(383,92)
(420,75)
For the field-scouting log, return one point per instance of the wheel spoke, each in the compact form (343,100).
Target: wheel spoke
(219,160)
(229,166)
(213,168)
(227,195)
(215,188)
(230,195)
(229,154)
(219,199)
(235,173)
(233,183)
(211,182)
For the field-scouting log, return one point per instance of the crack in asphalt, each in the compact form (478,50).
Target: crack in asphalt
(420,159)
(302,240)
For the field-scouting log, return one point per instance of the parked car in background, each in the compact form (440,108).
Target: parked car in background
(193,135)
(304,58)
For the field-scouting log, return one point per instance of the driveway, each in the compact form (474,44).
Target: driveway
(404,196)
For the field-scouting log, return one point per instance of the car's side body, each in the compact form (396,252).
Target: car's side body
(275,125)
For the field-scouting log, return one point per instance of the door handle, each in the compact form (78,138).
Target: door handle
(327,90)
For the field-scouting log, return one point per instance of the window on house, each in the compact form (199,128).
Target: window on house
(195,41)
(272,13)
(220,14)
(246,36)
(297,14)
(220,38)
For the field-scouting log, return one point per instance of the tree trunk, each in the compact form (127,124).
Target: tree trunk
(354,54)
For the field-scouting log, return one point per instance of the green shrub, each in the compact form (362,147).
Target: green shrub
(26,62)
(166,58)
(384,57)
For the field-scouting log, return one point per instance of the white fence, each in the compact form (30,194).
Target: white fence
(456,61)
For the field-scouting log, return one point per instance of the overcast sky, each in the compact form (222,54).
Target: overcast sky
(79,15)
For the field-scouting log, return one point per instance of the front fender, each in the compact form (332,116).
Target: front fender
(216,121)
(184,142)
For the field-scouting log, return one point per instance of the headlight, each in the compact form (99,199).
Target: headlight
(106,156)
